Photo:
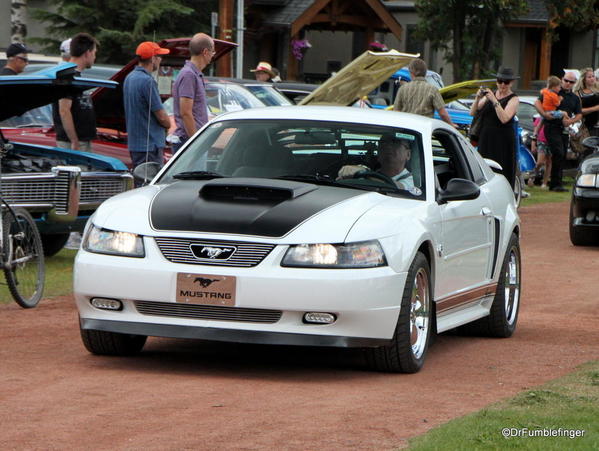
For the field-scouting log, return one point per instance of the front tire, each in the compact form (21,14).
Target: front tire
(54,242)
(407,351)
(100,342)
(23,257)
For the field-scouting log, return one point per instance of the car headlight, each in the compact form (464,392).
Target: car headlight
(587,180)
(104,241)
(365,254)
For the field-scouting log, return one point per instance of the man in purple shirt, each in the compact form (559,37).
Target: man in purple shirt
(189,93)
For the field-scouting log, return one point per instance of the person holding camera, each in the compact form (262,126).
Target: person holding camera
(497,140)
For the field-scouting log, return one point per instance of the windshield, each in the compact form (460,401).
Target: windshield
(313,151)
(37,117)
(269,95)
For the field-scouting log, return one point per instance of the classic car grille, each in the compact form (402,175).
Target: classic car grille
(19,191)
(178,250)
(98,190)
(209,312)
(61,195)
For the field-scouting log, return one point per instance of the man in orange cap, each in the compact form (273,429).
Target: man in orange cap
(263,71)
(145,117)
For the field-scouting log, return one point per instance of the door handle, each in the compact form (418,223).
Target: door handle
(485,211)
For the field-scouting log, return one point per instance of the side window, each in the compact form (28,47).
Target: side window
(477,173)
(448,158)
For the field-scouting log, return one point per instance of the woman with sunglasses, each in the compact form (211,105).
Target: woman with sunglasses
(587,90)
(497,140)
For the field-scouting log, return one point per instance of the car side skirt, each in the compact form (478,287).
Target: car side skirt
(463,308)
(229,335)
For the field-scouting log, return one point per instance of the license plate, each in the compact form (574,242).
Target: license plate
(207,289)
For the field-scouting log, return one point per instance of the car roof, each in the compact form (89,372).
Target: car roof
(325,114)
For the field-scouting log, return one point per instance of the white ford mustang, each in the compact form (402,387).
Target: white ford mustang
(249,235)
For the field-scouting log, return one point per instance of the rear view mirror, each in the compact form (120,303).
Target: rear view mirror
(459,189)
(145,172)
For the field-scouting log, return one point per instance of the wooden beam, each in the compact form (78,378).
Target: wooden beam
(386,17)
(360,21)
(307,16)
(292,63)
(224,67)
(545,60)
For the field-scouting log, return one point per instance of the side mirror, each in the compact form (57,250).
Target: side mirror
(459,189)
(145,172)
(496,167)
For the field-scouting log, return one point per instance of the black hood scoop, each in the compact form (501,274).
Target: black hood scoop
(246,206)
(254,190)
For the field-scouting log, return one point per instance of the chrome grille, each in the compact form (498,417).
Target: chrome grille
(177,250)
(209,312)
(61,195)
(28,191)
(98,190)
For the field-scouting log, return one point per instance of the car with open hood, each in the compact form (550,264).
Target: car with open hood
(252,234)
(60,188)
(37,127)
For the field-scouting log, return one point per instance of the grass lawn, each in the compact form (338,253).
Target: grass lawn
(59,276)
(570,403)
(539,196)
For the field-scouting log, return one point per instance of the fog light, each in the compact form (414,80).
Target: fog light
(319,318)
(590,216)
(107,304)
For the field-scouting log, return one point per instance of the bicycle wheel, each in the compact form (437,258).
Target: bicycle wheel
(23,257)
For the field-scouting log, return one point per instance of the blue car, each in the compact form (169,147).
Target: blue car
(61,188)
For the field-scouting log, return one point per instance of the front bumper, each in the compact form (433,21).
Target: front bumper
(366,302)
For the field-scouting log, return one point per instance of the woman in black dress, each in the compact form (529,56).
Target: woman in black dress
(497,138)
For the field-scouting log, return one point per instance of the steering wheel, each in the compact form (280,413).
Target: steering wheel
(375,175)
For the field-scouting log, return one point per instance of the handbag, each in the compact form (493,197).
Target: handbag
(475,126)
(577,137)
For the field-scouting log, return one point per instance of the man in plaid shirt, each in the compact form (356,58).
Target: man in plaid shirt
(420,97)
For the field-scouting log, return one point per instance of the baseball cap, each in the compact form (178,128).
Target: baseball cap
(148,49)
(16,48)
(65,46)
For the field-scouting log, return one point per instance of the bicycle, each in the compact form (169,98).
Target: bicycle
(21,252)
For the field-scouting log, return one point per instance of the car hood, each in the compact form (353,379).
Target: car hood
(21,93)
(290,212)
(108,105)
(464,89)
(358,78)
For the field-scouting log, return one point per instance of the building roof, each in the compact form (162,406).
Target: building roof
(537,13)
(288,14)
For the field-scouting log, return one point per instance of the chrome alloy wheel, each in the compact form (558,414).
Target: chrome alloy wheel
(420,312)
(512,287)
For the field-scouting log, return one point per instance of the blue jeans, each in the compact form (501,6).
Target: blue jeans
(155,156)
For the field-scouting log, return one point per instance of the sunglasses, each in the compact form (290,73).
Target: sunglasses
(569,81)
(22,58)
(501,81)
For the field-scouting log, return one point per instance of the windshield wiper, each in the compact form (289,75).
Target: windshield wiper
(197,175)
(325,180)
(34,125)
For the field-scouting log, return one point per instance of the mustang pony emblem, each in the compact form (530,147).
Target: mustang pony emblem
(213,252)
(205,283)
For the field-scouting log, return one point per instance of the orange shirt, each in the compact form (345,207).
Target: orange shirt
(550,100)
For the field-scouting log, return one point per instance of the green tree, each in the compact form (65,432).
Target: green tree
(468,31)
(120,25)
(579,15)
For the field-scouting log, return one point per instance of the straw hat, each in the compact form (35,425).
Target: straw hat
(264,67)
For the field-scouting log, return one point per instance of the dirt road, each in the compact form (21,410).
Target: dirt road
(197,395)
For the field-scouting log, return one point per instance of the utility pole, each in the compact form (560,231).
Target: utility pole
(240,30)
(225,26)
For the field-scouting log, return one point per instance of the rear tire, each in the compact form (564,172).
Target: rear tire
(54,242)
(518,189)
(407,351)
(100,342)
(24,257)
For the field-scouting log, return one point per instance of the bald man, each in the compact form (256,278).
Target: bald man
(189,93)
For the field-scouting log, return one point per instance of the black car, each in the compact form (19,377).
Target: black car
(584,207)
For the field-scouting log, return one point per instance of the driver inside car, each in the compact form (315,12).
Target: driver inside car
(392,156)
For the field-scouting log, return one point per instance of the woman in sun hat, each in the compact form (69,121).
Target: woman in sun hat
(263,71)
(497,110)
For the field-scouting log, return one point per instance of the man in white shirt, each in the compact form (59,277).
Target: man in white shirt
(393,154)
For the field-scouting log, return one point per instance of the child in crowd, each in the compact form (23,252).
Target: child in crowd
(551,99)
(539,144)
